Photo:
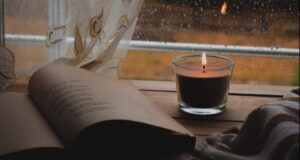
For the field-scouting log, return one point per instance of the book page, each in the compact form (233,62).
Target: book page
(22,126)
(73,99)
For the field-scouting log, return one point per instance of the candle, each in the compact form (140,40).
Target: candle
(202,83)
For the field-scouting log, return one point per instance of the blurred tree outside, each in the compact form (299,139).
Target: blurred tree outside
(264,23)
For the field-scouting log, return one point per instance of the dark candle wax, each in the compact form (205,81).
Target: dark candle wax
(203,92)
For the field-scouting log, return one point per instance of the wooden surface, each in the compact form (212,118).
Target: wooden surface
(242,100)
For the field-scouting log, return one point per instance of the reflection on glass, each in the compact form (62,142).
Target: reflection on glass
(266,23)
(255,23)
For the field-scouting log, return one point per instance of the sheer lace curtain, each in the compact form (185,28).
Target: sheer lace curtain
(97,27)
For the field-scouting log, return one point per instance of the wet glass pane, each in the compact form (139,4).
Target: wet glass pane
(260,23)
(27,17)
(249,22)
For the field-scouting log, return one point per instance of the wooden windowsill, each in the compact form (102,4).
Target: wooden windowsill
(242,100)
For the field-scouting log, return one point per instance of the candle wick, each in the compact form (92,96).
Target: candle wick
(203,67)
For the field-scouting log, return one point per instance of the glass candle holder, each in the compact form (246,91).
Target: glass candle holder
(202,83)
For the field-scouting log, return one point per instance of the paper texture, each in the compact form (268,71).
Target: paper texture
(73,99)
(22,126)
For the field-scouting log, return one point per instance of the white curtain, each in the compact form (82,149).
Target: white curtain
(97,27)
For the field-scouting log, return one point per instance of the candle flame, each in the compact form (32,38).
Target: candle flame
(203,60)
(223,8)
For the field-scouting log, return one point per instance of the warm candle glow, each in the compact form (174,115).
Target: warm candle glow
(223,8)
(202,89)
(203,58)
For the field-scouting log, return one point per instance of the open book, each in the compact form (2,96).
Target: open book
(70,112)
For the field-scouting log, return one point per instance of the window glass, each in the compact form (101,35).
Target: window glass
(27,17)
(260,23)
(247,22)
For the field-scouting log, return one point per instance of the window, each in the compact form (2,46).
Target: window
(257,23)
(261,36)
(28,17)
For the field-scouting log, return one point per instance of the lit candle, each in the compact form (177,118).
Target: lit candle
(202,85)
